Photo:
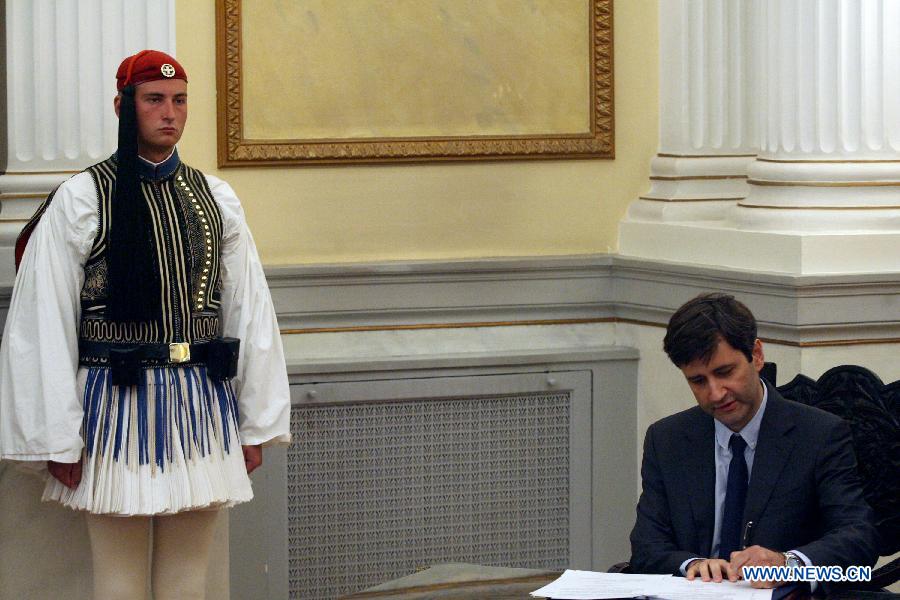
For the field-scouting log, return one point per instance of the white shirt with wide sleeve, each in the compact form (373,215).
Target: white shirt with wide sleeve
(247,313)
(40,405)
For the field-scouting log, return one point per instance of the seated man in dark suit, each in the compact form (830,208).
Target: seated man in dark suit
(745,478)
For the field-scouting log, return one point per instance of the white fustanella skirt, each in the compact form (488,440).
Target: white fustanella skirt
(166,446)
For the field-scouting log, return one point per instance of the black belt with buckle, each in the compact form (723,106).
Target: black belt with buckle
(126,361)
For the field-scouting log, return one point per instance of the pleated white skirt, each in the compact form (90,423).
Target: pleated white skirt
(167,446)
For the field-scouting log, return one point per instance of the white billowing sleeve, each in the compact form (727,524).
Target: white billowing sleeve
(261,384)
(40,407)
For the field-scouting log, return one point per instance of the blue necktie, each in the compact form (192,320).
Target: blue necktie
(735,499)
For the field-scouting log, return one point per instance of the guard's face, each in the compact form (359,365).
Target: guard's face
(161,108)
(728,386)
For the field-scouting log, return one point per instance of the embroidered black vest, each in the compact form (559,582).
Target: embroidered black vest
(187,229)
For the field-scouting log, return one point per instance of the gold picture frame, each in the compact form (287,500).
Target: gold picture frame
(251,132)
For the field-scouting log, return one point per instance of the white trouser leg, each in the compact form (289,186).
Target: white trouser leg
(119,547)
(181,544)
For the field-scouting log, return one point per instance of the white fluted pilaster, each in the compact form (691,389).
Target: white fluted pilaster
(707,131)
(62,57)
(829,156)
(824,100)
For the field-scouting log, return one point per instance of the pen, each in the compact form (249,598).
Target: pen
(745,538)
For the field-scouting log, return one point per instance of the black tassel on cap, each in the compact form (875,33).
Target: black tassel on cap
(134,285)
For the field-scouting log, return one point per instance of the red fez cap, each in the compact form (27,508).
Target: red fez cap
(148,65)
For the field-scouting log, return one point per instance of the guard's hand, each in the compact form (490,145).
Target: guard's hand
(711,569)
(252,457)
(758,556)
(68,474)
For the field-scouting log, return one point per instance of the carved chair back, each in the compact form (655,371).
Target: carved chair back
(872,410)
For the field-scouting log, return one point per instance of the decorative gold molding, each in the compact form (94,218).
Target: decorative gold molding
(23,196)
(694,177)
(40,173)
(235,150)
(829,343)
(669,155)
(465,325)
(827,161)
(614,320)
(770,183)
(773,206)
(652,199)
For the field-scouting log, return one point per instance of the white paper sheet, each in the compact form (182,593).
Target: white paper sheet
(588,585)
(679,588)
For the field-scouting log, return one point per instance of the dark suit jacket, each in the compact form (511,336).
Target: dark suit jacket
(804,491)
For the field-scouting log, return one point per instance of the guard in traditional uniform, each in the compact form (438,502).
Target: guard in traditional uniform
(141,359)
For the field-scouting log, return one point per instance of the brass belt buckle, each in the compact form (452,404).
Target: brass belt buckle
(179,352)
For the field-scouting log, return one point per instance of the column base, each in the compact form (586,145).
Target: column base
(801,253)
(692,188)
(669,211)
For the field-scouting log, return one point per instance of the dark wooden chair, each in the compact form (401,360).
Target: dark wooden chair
(872,410)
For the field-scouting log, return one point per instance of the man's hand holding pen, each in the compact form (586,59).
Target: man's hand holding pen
(719,569)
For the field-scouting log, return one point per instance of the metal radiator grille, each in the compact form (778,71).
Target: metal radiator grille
(378,490)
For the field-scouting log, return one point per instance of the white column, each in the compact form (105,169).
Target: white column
(61,60)
(829,159)
(706,119)
(824,192)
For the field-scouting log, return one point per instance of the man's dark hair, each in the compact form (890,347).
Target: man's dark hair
(695,329)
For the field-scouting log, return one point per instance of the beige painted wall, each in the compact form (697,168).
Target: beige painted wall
(434,211)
